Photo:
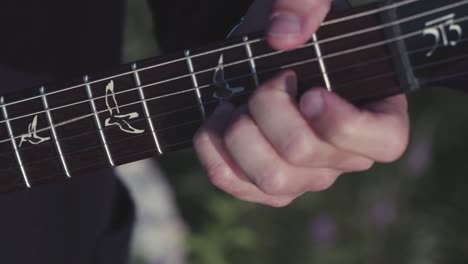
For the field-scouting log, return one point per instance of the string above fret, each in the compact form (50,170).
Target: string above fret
(241,44)
(127,114)
(256,40)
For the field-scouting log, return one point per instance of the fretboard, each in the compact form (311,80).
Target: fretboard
(155,106)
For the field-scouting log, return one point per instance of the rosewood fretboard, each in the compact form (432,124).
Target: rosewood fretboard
(153,107)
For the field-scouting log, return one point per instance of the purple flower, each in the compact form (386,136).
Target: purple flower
(383,213)
(324,231)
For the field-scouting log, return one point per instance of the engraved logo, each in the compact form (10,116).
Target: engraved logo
(224,90)
(445,32)
(32,137)
(116,117)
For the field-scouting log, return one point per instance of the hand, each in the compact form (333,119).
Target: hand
(275,149)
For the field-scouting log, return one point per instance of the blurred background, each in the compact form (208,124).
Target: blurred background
(411,211)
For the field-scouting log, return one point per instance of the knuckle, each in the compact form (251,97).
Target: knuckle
(297,148)
(351,127)
(266,92)
(279,202)
(396,141)
(258,98)
(363,165)
(200,139)
(220,175)
(396,147)
(234,132)
(355,163)
(344,128)
(272,181)
(324,182)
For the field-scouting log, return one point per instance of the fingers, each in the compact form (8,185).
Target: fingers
(274,150)
(289,23)
(293,22)
(222,171)
(261,163)
(257,17)
(379,132)
(275,111)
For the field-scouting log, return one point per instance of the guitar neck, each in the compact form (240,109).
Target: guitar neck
(154,107)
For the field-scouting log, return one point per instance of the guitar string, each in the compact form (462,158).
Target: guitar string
(371,12)
(341,69)
(153,151)
(401,21)
(199,121)
(312,76)
(451,76)
(206,86)
(419,67)
(355,16)
(214,68)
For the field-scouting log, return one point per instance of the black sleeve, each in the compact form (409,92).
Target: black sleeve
(183,24)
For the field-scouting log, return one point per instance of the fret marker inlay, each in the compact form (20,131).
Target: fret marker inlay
(253,66)
(195,84)
(13,143)
(145,107)
(116,117)
(32,137)
(224,90)
(54,132)
(321,62)
(98,122)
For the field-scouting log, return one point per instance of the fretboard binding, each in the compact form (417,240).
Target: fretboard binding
(98,121)
(54,133)
(321,62)
(146,108)
(253,66)
(13,143)
(195,84)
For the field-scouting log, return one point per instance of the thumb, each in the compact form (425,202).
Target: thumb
(293,22)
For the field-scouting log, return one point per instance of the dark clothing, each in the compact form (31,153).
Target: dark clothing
(182,24)
(87,219)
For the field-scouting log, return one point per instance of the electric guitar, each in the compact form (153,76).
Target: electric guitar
(154,106)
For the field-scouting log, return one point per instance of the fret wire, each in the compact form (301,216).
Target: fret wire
(263,56)
(248,92)
(195,84)
(54,132)
(321,63)
(257,57)
(236,78)
(368,46)
(285,66)
(145,107)
(98,121)
(363,14)
(13,143)
(253,66)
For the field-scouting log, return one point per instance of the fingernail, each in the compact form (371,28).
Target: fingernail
(291,84)
(312,104)
(285,25)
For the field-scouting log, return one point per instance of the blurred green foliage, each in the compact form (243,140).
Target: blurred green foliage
(411,211)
